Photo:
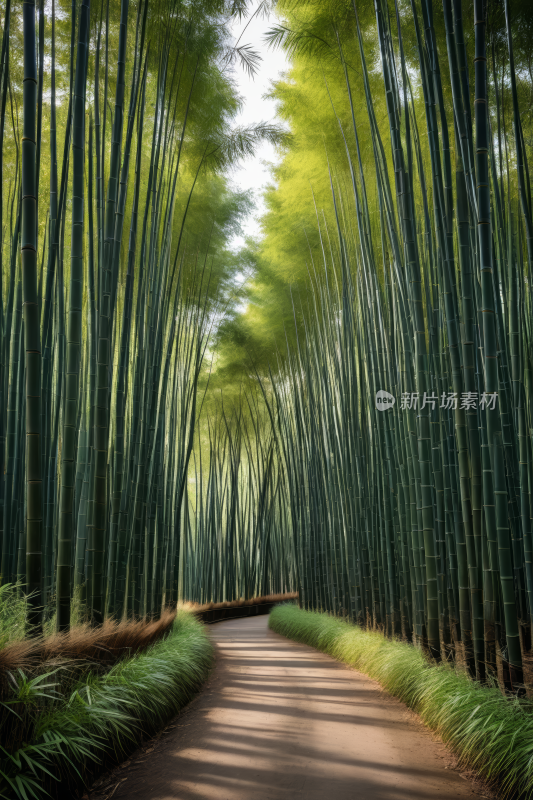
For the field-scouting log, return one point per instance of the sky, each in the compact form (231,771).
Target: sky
(253,172)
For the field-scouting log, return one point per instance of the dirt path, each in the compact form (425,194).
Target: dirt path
(279,721)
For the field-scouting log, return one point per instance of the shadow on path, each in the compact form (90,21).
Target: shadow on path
(278,721)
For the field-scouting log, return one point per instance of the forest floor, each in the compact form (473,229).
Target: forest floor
(278,720)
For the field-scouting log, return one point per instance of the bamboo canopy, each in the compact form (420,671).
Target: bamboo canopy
(106,314)
(403,410)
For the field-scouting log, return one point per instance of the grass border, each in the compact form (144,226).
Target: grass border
(234,609)
(488,732)
(105,717)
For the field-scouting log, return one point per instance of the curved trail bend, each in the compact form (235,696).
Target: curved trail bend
(280,721)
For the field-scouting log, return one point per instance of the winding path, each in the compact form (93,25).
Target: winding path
(279,721)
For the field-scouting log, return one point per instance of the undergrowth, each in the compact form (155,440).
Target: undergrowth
(13,610)
(77,725)
(14,613)
(490,733)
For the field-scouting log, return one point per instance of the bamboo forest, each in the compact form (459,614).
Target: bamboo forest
(266,360)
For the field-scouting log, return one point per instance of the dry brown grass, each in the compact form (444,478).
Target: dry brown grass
(110,642)
(84,643)
(253,601)
(22,655)
(107,644)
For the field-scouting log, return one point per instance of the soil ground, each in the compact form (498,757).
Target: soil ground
(280,721)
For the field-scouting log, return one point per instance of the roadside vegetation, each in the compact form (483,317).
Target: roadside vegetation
(488,731)
(90,698)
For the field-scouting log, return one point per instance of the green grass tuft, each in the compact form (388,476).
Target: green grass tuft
(13,609)
(489,732)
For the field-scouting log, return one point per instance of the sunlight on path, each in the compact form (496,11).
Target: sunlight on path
(279,721)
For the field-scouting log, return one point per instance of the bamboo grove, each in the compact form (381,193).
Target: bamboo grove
(403,412)
(236,527)
(385,469)
(107,298)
